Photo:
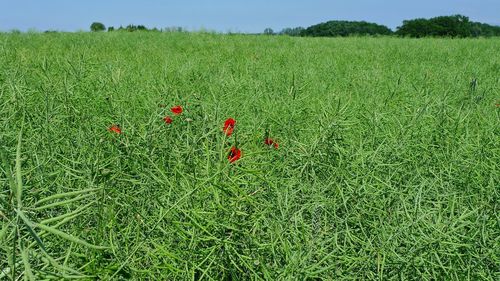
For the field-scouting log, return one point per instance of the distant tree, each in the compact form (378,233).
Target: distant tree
(174,29)
(268,31)
(132,27)
(97,26)
(416,28)
(110,28)
(296,31)
(447,26)
(345,28)
(483,29)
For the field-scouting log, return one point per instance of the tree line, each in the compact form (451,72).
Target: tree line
(97,26)
(446,26)
(443,26)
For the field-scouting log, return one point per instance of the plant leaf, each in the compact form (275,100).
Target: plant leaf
(29,226)
(69,237)
(27,267)
(66,194)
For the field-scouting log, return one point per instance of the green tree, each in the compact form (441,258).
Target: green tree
(296,31)
(345,28)
(97,26)
(448,26)
(268,31)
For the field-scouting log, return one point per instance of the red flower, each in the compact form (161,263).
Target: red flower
(229,126)
(234,155)
(167,119)
(176,110)
(115,129)
(269,141)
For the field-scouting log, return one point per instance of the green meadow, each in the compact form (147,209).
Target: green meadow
(388,165)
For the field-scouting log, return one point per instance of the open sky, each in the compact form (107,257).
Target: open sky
(230,15)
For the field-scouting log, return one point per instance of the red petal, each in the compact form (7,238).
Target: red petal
(234,155)
(115,129)
(229,126)
(229,131)
(167,119)
(176,110)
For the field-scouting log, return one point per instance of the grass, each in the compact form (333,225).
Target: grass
(388,164)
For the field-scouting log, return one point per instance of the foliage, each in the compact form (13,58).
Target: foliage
(387,166)
(296,31)
(174,29)
(97,26)
(132,28)
(485,30)
(345,28)
(446,26)
(268,31)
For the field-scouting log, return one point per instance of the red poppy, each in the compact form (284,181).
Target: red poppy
(234,155)
(167,119)
(269,141)
(229,126)
(115,129)
(176,110)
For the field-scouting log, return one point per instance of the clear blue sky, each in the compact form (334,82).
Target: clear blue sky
(230,15)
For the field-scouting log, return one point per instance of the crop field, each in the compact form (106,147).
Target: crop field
(349,158)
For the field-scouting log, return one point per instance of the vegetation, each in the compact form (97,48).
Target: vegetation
(446,26)
(268,31)
(443,26)
(346,28)
(296,31)
(97,26)
(483,29)
(387,165)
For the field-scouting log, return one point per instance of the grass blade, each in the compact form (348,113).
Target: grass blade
(69,237)
(27,267)
(62,203)
(75,212)
(19,180)
(29,226)
(67,194)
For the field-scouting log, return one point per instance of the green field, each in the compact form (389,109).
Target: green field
(388,164)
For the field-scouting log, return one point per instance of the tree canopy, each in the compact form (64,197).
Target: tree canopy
(346,28)
(97,26)
(268,31)
(446,26)
(296,31)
